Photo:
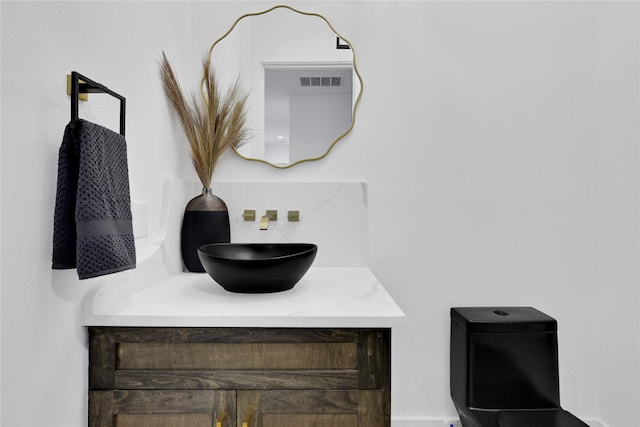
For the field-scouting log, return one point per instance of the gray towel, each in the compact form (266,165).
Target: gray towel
(92,222)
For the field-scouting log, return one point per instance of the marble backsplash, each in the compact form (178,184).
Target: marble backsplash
(333,215)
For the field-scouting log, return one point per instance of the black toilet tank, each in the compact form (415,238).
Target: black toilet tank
(504,357)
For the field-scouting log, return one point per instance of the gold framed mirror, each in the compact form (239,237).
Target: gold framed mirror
(304,84)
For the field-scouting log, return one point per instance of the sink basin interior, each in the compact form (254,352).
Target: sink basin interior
(255,251)
(257,267)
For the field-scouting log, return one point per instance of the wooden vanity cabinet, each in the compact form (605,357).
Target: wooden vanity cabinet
(239,377)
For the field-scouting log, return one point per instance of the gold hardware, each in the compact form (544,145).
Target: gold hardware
(221,419)
(247,419)
(273,215)
(268,216)
(81,96)
(249,215)
(293,216)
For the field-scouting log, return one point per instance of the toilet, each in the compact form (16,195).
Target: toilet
(504,368)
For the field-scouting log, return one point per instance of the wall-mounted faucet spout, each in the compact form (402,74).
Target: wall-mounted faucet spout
(264,222)
(269,216)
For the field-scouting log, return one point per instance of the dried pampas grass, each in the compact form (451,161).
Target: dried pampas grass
(212,126)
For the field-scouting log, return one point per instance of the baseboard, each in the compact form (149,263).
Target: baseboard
(420,422)
(448,422)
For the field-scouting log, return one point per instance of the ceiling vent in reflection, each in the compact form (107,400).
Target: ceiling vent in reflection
(306,81)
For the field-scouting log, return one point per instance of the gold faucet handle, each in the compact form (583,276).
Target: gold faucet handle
(249,215)
(293,216)
(273,215)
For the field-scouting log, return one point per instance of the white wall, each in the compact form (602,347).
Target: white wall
(499,141)
(44,359)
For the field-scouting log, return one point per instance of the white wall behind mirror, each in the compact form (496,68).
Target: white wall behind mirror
(302,82)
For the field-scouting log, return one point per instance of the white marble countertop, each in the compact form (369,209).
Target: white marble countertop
(343,297)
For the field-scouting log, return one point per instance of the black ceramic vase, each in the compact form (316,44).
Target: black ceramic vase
(206,220)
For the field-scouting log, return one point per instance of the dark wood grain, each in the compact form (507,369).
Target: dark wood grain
(101,408)
(284,377)
(102,358)
(163,420)
(238,335)
(310,420)
(375,408)
(233,379)
(164,401)
(289,406)
(300,401)
(374,359)
(209,356)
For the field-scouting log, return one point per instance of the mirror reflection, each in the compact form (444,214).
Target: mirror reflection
(302,79)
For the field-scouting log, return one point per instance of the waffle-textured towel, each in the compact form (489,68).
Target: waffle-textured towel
(92,222)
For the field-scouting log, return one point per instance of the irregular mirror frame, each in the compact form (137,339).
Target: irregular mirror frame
(283,54)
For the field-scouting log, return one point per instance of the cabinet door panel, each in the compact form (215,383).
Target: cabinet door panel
(309,420)
(313,408)
(303,406)
(169,401)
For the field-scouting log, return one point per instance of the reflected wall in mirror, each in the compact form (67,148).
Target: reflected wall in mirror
(304,85)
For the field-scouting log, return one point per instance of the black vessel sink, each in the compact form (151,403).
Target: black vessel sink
(257,267)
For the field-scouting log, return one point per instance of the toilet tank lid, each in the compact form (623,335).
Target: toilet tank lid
(503,319)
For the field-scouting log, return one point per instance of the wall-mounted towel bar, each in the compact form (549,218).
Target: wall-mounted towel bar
(82,85)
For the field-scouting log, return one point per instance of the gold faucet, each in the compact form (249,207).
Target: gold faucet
(269,216)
